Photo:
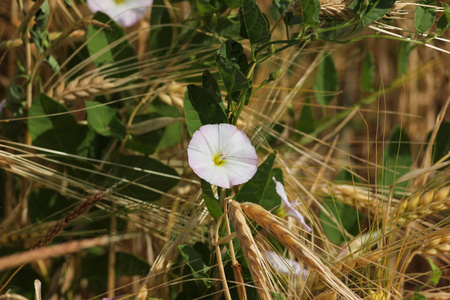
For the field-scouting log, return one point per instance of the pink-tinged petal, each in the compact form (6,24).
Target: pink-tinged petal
(295,214)
(125,14)
(287,206)
(281,192)
(285,265)
(201,143)
(238,160)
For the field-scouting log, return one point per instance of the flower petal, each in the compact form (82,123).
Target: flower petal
(285,265)
(125,14)
(239,156)
(287,206)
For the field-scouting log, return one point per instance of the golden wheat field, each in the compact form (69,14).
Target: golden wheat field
(224,149)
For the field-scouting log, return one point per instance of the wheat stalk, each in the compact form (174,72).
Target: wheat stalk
(14,260)
(81,88)
(250,250)
(424,204)
(281,232)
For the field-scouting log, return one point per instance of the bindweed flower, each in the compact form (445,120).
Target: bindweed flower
(124,12)
(287,208)
(285,265)
(222,155)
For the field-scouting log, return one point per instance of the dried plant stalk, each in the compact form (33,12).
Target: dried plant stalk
(81,88)
(281,232)
(424,204)
(18,259)
(250,250)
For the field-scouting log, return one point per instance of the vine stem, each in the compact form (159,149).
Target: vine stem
(223,277)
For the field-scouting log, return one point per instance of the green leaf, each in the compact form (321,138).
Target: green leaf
(233,67)
(161,33)
(327,80)
(40,35)
(441,145)
(368,73)
(436,274)
(210,85)
(381,9)
(254,24)
(94,268)
(52,126)
(198,268)
(173,132)
(103,119)
(99,41)
(253,190)
(211,202)
(444,21)
(200,108)
(41,17)
(228,26)
(418,296)
(397,159)
(46,205)
(347,217)
(403,52)
(424,16)
(270,198)
(194,260)
(206,8)
(150,177)
(306,121)
(147,142)
(272,138)
(310,12)
(15,99)
(233,3)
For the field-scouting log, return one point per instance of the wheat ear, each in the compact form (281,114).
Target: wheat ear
(437,245)
(281,232)
(349,265)
(357,197)
(81,88)
(339,9)
(75,213)
(249,248)
(421,205)
(328,295)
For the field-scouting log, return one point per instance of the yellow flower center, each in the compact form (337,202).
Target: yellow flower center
(118,2)
(281,212)
(219,159)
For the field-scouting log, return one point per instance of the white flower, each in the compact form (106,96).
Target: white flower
(285,265)
(124,12)
(287,208)
(222,155)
